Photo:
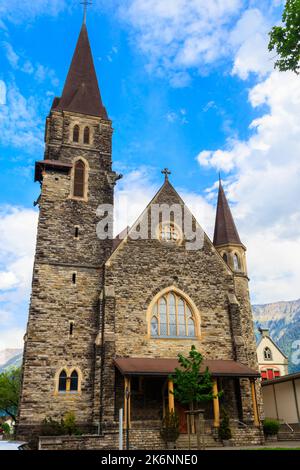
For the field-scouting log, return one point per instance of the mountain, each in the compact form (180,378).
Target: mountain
(10,358)
(283,321)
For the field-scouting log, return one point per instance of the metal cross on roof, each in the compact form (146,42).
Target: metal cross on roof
(166,172)
(85,4)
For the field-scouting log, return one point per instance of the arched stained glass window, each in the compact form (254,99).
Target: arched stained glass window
(62,382)
(74,381)
(79,179)
(172,317)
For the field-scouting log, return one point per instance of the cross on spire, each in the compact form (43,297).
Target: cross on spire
(166,172)
(85,4)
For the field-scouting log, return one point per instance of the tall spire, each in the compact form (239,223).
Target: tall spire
(81,92)
(225,230)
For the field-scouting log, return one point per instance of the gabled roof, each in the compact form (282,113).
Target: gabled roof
(272,342)
(81,92)
(225,229)
(167,189)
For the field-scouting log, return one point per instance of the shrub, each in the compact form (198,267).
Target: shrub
(6,428)
(271,427)
(69,424)
(224,430)
(51,427)
(170,427)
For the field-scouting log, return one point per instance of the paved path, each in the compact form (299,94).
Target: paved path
(269,445)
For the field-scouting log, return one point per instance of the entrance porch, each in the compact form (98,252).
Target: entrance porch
(145,391)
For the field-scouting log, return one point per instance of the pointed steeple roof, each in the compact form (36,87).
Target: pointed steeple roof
(81,92)
(225,229)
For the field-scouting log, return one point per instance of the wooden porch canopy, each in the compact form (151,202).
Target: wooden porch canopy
(164,367)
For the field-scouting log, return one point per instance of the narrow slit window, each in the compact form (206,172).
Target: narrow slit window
(74,278)
(74,382)
(62,383)
(76,232)
(76,133)
(86,136)
(79,179)
(71,328)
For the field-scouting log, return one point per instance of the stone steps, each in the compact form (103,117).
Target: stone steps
(183,442)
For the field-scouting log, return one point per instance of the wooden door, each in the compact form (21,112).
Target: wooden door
(180,410)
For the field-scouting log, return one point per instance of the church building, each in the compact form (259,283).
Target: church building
(108,317)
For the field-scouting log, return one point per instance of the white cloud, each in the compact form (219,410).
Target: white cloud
(11,55)
(40,72)
(127,208)
(264,183)
(4,317)
(17,11)
(250,38)
(20,122)
(17,245)
(11,338)
(178,37)
(2,92)
(8,280)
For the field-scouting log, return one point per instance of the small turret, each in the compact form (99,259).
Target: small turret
(226,237)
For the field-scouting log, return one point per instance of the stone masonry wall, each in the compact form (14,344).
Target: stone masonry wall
(139,269)
(56,299)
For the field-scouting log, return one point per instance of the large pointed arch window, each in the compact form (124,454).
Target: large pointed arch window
(79,179)
(171,317)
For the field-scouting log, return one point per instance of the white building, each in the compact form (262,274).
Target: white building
(272,362)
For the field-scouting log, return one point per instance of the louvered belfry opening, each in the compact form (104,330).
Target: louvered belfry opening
(86,135)
(76,134)
(79,178)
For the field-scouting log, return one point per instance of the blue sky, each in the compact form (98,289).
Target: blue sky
(189,85)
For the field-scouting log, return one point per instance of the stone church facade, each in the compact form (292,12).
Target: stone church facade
(108,317)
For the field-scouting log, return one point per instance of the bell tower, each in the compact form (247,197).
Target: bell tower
(76,177)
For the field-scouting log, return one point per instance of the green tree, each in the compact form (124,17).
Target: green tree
(191,387)
(10,382)
(286,39)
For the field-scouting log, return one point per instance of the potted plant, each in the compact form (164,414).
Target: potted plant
(271,428)
(170,429)
(224,430)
